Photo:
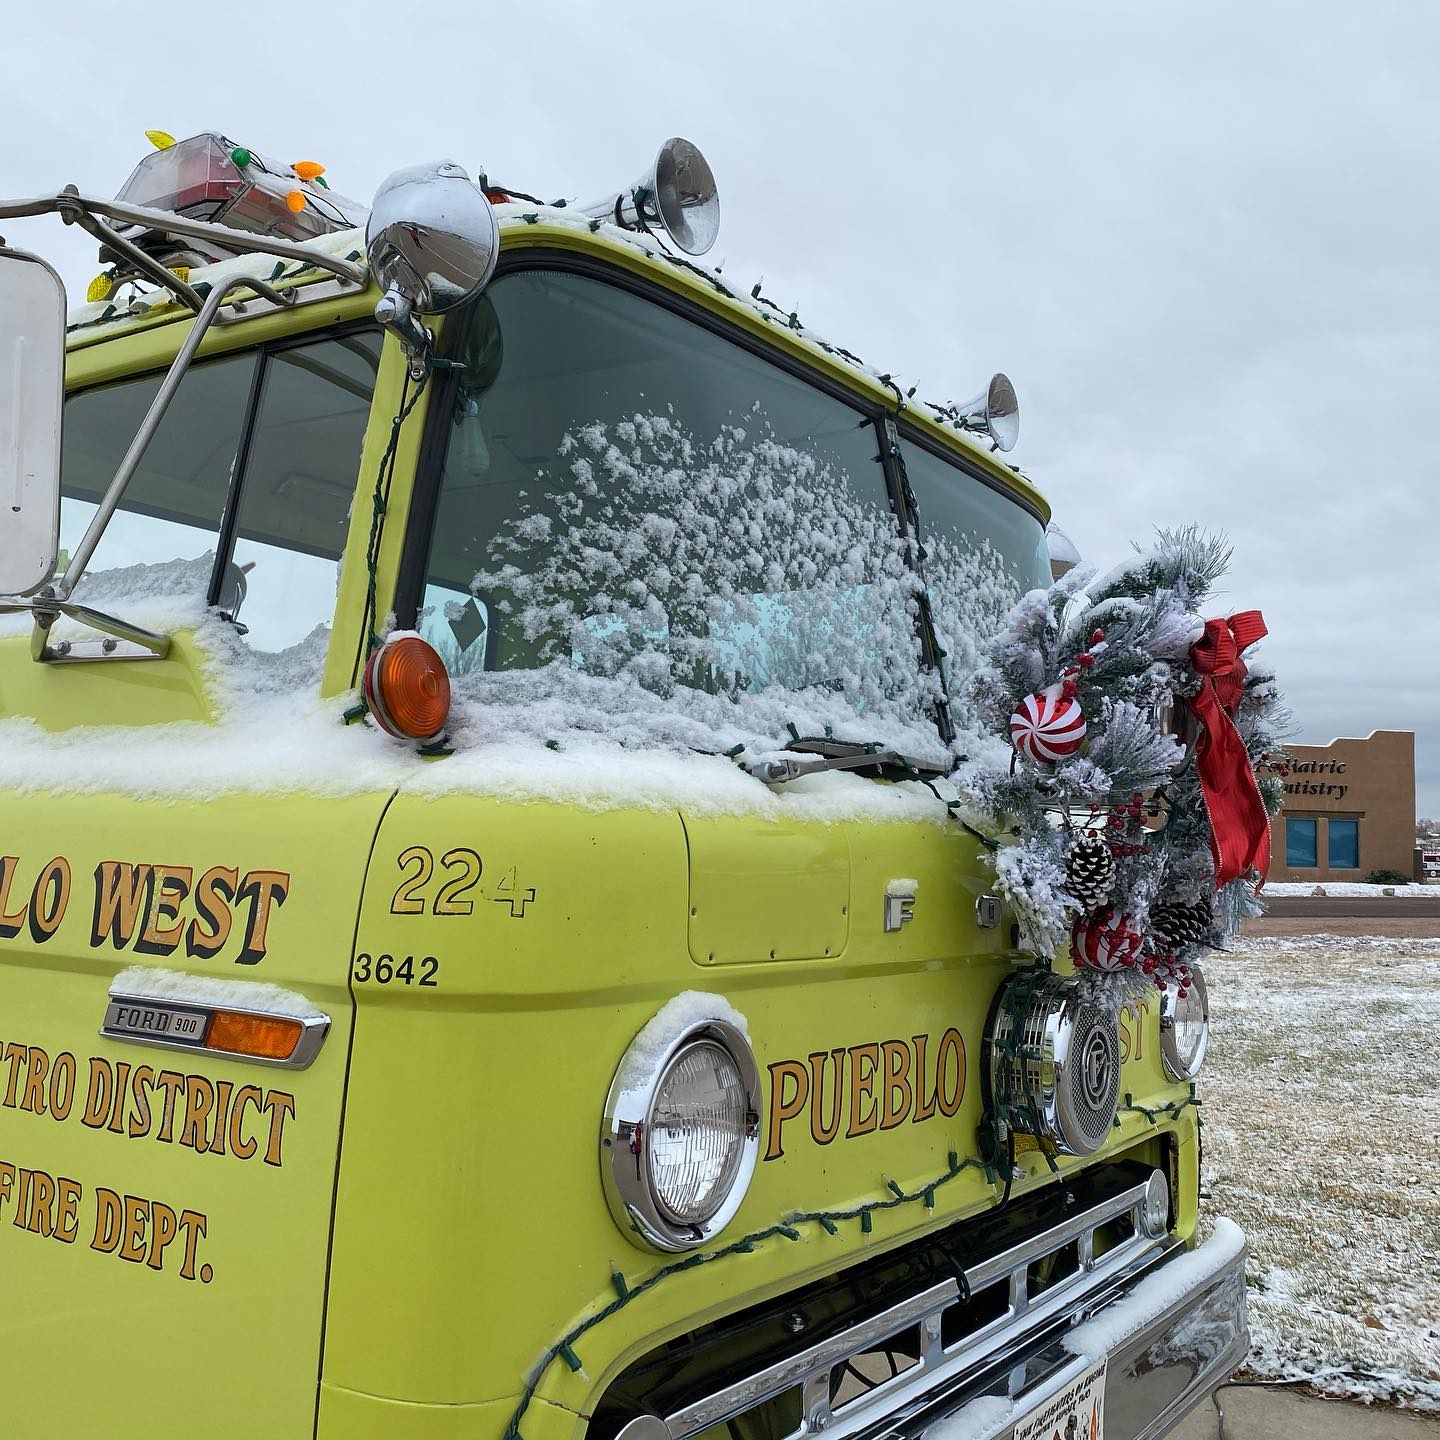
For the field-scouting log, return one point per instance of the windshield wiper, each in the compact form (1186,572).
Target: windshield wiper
(829,754)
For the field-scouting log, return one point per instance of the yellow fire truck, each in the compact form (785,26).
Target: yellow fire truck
(484,950)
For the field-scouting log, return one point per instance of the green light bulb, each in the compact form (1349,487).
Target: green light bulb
(240,157)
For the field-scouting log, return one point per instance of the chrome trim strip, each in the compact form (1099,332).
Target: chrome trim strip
(812,1365)
(313,1029)
(988,1271)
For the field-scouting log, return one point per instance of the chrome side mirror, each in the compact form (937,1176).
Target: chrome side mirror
(32,392)
(432,242)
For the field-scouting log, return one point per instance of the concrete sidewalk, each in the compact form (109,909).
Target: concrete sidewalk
(1253,1413)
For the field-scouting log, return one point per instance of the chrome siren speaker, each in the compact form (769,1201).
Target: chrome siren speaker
(994,412)
(1052,1062)
(676,194)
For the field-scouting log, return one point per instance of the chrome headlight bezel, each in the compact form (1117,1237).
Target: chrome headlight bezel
(1063,1061)
(625,1158)
(1170,1003)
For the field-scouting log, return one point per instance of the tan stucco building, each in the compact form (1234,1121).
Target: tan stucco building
(1349,809)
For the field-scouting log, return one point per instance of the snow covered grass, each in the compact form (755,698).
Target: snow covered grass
(1320,1100)
(1351,888)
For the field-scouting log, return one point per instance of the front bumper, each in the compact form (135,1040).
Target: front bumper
(1167,1343)
(975,1353)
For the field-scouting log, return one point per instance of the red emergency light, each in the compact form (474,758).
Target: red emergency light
(207,177)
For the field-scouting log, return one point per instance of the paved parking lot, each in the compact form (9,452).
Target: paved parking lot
(1274,1414)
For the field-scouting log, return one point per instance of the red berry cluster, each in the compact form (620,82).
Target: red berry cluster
(1163,969)
(1084,661)
(1121,816)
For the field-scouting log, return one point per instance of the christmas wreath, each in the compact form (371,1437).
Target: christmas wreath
(1133,815)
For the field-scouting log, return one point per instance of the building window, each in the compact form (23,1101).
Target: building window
(1342,839)
(1300,850)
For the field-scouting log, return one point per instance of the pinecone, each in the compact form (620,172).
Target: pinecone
(1176,925)
(1089,870)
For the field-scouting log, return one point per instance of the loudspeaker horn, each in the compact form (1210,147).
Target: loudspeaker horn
(676,195)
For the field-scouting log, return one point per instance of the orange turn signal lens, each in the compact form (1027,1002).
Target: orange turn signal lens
(408,688)
(267,1037)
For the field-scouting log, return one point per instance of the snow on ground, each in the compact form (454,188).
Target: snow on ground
(1350,887)
(1322,1139)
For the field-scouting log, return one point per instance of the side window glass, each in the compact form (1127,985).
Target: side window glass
(629,496)
(171,511)
(297,488)
(982,551)
(293,506)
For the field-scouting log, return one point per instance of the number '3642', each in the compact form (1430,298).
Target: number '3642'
(386,970)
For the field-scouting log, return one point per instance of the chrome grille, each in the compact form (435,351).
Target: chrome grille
(846,1383)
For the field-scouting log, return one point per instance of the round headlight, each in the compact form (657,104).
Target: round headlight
(681,1135)
(1185,1027)
(697,1132)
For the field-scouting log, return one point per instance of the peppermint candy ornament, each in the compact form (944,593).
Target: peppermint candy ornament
(1048,726)
(1109,942)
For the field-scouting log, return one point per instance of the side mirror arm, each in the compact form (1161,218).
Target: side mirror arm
(46,609)
(397,314)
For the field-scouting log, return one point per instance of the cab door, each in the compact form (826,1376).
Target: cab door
(176,923)
(165,1206)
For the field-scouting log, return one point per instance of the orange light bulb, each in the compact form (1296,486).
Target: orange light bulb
(407,688)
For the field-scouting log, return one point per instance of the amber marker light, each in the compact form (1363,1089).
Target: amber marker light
(407,689)
(264,1037)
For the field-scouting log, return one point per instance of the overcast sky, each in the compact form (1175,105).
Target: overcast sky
(1200,239)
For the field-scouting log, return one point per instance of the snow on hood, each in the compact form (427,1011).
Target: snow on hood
(537,737)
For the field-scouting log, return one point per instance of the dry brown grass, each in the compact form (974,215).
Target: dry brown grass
(1322,1139)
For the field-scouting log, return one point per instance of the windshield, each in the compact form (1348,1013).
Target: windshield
(673,539)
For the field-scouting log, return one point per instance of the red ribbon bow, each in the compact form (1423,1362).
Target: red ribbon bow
(1239,824)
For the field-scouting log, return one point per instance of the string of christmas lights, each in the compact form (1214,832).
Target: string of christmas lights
(828,1221)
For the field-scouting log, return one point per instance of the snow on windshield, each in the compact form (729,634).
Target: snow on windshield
(705,594)
(682,600)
